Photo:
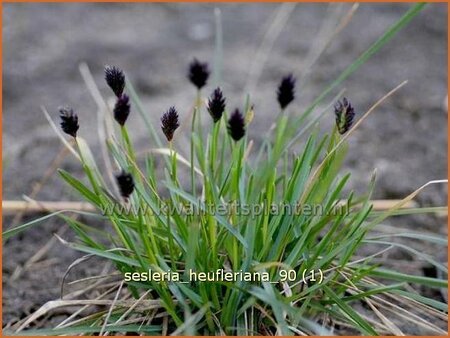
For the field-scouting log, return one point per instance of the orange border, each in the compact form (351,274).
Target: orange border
(200,1)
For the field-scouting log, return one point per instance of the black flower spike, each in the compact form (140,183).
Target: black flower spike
(198,73)
(69,121)
(285,92)
(216,105)
(122,109)
(345,115)
(169,123)
(236,125)
(125,183)
(115,78)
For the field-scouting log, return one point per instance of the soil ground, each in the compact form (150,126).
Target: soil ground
(405,139)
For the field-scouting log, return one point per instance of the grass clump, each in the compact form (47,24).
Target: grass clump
(271,229)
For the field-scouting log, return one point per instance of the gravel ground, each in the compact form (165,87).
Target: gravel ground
(405,139)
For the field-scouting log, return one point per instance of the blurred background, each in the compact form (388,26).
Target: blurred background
(43,45)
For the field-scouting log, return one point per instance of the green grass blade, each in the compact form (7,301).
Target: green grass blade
(352,315)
